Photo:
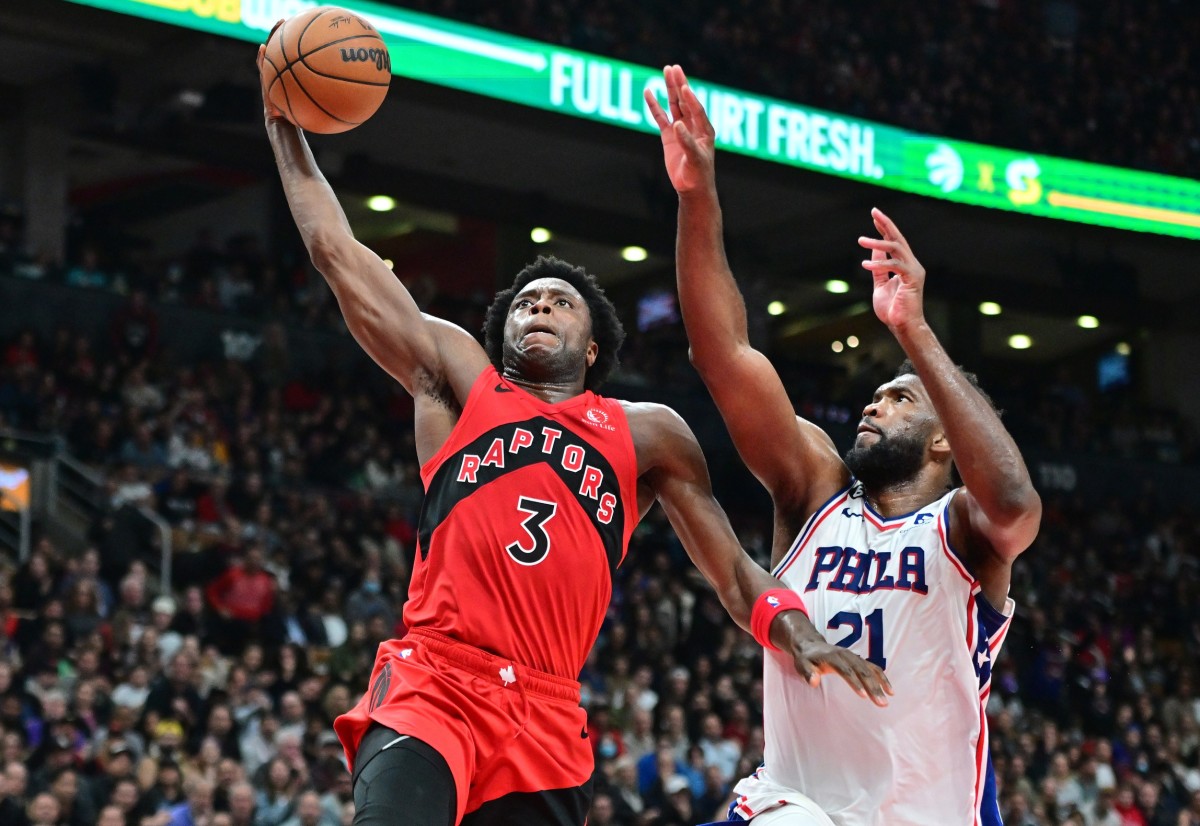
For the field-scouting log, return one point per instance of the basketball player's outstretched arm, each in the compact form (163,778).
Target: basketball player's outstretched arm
(423,353)
(999,502)
(794,459)
(672,465)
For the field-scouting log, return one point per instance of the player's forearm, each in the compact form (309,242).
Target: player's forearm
(376,306)
(742,592)
(985,454)
(739,591)
(714,313)
(314,206)
(686,495)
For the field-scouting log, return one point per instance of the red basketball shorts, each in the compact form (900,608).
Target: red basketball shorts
(500,726)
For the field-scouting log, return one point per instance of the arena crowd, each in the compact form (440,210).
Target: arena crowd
(292,498)
(292,493)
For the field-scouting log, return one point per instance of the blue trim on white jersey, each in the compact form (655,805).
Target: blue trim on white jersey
(945,517)
(989,809)
(807,529)
(888,519)
(989,618)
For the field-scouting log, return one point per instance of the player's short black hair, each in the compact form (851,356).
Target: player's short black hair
(907,368)
(607,331)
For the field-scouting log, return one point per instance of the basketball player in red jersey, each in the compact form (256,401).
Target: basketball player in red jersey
(533,487)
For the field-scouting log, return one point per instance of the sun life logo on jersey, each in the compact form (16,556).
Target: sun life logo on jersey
(598,418)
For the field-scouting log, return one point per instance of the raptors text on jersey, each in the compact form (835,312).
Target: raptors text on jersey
(528,509)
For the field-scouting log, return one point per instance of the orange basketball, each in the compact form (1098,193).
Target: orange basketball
(327,69)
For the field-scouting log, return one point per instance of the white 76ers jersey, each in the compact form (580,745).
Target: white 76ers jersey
(894,592)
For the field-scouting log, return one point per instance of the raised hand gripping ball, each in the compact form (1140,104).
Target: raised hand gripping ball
(327,69)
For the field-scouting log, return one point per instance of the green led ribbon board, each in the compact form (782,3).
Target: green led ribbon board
(540,75)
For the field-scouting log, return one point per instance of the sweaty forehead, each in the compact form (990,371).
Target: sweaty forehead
(909,381)
(540,286)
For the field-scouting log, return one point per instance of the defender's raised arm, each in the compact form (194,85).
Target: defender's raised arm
(794,459)
(1001,505)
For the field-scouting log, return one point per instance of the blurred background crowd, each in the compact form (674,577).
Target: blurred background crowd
(291,489)
(292,499)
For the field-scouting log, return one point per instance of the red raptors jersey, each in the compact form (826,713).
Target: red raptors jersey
(528,510)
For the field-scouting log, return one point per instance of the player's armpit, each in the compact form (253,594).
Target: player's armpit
(1006,534)
(460,355)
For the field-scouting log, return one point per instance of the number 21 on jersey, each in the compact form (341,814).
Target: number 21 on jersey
(854,620)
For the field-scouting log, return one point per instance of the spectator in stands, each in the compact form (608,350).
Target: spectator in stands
(309,812)
(133,692)
(44,810)
(83,609)
(242,805)
(243,598)
(74,800)
(173,696)
(676,808)
(87,569)
(196,811)
(35,582)
(135,329)
(275,798)
(368,601)
(111,816)
(87,272)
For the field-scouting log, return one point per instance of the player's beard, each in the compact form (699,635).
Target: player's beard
(888,462)
(562,366)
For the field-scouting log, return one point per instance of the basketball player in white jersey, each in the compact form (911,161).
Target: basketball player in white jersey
(889,558)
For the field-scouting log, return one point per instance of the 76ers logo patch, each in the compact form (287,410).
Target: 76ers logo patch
(598,418)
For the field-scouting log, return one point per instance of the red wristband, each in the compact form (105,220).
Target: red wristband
(769,605)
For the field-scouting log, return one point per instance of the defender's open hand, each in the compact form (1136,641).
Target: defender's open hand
(814,656)
(687,135)
(898,296)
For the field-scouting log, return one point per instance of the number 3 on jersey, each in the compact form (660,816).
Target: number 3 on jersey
(534,550)
(874,633)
